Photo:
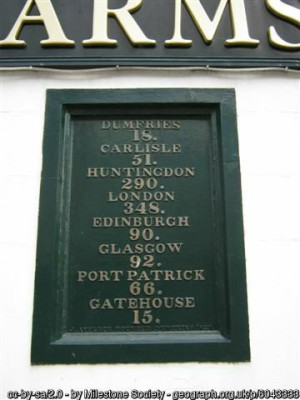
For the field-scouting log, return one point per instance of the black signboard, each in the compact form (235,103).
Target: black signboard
(93,33)
(140,247)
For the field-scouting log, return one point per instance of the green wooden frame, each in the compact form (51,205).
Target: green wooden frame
(51,343)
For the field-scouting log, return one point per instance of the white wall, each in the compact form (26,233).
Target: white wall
(269,135)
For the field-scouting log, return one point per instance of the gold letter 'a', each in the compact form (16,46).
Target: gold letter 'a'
(208,27)
(47,17)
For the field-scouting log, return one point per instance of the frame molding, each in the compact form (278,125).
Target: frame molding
(51,341)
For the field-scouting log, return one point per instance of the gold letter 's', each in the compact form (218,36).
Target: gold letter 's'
(124,18)
(287,12)
(47,17)
(208,27)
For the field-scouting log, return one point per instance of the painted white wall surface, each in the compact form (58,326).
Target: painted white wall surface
(268,105)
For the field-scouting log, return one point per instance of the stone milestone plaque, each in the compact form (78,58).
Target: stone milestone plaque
(140,248)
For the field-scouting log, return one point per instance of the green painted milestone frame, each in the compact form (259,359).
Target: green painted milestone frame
(140,253)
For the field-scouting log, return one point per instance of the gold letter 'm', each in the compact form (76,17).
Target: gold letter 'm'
(208,27)
(289,13)
(47,17)
(124,18)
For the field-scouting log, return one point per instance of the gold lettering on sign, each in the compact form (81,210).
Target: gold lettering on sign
(208,27)
(146,203)
(125,19)
(140,124)
(155,275)
(137,222)
(47,17)
(99,276)
(141,196)
(127,148)
(142,303)
(139,172)
(149,248)
(288,13)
